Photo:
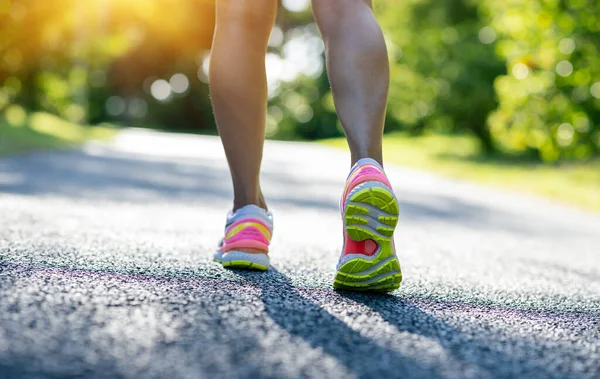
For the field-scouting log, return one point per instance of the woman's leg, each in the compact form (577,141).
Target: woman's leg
(358,69)
(238,88)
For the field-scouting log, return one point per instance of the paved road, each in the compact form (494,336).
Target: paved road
(106,272)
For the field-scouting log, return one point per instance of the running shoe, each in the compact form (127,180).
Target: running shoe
(247,237)
(370,214)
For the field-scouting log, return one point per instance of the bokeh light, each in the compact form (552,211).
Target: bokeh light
(161,90)
(487,35)
(526,68)
(115,105)
(564,68)
(595,90)
(137,107)
(520,71)
(179,83)
(566,46)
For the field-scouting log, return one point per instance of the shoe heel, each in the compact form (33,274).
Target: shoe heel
(371,212)
(245,261)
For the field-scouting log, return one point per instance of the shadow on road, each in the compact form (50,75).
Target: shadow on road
(367,357)
(407,317)
(485,349)
(138,178)
(303,318)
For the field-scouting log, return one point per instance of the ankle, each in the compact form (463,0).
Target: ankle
(260,202)
(367,161)
(378,158)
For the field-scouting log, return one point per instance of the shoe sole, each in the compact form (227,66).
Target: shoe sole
(371,212)
(244,261)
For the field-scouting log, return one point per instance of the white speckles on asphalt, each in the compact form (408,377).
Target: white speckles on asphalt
(106,272)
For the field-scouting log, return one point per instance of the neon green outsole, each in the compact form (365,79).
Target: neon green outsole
(371,213)
(246,265)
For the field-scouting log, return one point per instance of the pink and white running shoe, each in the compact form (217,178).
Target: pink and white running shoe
(247,237)
(370,214)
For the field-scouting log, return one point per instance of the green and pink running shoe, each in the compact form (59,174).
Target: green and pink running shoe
(370,214)
(247,237)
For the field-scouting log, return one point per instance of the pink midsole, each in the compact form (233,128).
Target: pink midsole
(245,244)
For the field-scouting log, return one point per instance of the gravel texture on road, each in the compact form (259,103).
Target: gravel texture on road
(106,272)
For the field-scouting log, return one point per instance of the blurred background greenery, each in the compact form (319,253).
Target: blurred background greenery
(479,87)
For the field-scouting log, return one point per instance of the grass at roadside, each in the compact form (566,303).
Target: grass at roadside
(575,183)
(45,131)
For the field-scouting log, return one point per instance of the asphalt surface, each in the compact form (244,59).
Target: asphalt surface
(106,272)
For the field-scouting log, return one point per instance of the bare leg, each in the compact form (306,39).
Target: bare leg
(238,88)
(358,69)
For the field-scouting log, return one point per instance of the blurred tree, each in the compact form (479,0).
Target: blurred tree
(550,101)
(55,55)
(521,76)
(300,104)
(442,73)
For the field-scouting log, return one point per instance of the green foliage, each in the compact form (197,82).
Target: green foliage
(442,73)
(303,110)
(549,103)
(70,58)
(523,77)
